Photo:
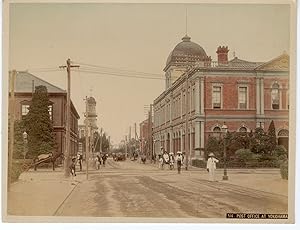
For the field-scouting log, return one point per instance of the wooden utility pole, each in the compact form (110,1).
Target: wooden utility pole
(86,139)
(135,136)
(12,77)
(68,120)
(126,145)
(100,140)
(129,141)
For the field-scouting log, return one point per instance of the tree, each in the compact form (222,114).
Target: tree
(103,140)
(19,144)
(272,142)
(38,124)
(18,139)
(215,146)
(259,142)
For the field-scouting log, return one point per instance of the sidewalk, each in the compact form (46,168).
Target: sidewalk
(262,179)
(40,192)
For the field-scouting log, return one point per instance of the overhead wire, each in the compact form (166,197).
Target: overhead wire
(119,70)
(103,73)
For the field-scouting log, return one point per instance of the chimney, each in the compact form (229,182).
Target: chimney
(222,52)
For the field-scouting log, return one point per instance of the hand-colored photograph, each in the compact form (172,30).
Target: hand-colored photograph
(149,112)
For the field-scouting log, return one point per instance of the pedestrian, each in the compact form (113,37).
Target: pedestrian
(79,159)
(72,168)
(104,157)
(166,158)
(211,166)
(171,161)
(160,162)
(98,161)
(179,161)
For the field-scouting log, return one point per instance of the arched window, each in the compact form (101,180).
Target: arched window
(217,129)
(217,132)
(275,96)
(243,130)
(283,133)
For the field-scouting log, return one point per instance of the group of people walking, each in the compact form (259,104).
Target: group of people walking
(101,160)
(165,158)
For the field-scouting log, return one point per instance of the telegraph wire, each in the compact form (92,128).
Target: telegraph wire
(119,69)
(103,73)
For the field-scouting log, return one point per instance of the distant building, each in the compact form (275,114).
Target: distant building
(145,135)
(24,87)
(206,93)
(91,119)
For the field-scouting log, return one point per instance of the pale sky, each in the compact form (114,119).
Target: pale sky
(135,37)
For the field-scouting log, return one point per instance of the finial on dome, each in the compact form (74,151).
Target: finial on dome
(186,38)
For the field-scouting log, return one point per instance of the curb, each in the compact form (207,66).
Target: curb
(62,203)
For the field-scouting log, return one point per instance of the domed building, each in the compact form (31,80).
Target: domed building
(201,95)
(184,54)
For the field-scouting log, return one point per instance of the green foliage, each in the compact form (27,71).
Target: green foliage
(38,124)
(215,146)
(19,143)
(272,141)
(198,163)
(103,140)
(259,142)
(280,152)
(284,169)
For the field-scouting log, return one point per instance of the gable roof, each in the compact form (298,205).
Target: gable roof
(242,64)
(280,63)
(25,81)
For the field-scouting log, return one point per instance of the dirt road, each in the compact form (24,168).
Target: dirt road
(131,189)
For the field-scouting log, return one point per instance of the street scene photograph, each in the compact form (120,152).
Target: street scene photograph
(157,112)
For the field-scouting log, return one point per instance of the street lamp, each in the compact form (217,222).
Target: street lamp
(25,135)
(225,130)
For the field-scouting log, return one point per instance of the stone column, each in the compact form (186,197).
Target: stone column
(181,139)
(202,95)
(171,140)
(191,142)
(197,97)
(171,107)
(202,139)
(181,101)
(262,97)
(197,139)
(258,96)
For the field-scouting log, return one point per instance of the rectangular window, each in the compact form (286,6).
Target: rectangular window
(50,110)
(216,97)
(25,110)
(242,97)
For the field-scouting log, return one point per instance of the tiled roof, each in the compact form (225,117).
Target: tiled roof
(242,64)
(24,82)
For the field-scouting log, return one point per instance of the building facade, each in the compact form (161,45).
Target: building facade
(145,135)
(24,87)
(201,95)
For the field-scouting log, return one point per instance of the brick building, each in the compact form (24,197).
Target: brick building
(24,87)
(201,95)
(145,135)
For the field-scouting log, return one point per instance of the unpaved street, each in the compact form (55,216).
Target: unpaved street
(131,189)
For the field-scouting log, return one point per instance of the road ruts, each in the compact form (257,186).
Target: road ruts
(133,192)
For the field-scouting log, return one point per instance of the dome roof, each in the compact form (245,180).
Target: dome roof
(186,48)
(91,100)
